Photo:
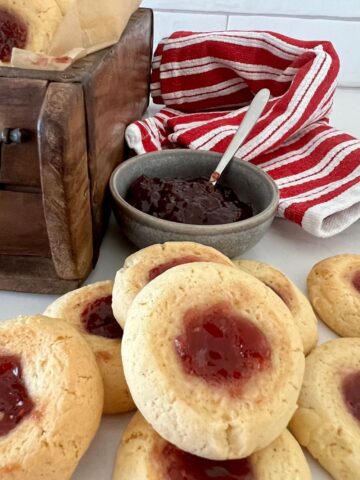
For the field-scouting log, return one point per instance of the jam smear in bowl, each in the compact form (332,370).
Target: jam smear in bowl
(195,201)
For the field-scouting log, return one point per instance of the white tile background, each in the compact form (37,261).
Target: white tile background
(334,20)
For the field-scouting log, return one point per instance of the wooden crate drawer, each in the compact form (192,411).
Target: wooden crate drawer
(20,162)
(22,224)
(54,196)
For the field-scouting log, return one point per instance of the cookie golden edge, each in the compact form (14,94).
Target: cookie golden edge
(107,351)
(133,276)
(162,401)
(322,423)
(292,296)
(63,380)
(332,295)
(136,456)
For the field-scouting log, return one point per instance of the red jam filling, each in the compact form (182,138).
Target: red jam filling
(220,346)
(156,271)
(356,281)
(179,465)
(13,33)
(98,319)
(15,402)
(351,393)
(195,201)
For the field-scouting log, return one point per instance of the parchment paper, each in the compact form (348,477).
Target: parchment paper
(88,26)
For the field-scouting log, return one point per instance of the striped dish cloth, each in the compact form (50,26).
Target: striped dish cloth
(206,81)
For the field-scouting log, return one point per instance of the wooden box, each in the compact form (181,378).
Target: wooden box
(54,172)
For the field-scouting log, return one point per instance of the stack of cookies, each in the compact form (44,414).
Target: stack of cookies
(214,360)
(212,355)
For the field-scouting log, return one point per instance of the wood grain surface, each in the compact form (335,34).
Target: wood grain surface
(64,178)
(116,94)
(32,274)
(22,224)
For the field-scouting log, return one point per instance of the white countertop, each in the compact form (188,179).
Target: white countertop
(286,246)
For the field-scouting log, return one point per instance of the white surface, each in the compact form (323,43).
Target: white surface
(165,23)
(319,8)
(286,246)
(332,20)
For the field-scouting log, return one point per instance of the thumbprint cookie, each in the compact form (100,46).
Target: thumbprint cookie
(327,421)
(213,360)
(334,291)
(51,399)
(89,310)
(143,454)
(289,293)
(27,25)
(146,264)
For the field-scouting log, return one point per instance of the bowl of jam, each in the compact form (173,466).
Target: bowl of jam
(166,196)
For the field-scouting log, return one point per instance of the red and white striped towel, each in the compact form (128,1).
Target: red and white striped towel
(206,81)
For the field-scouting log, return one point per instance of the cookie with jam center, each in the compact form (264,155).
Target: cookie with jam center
(334,291)
(327,421)
(89,310)
(213,360)
(51,398)
(27,25)
(142,454)
(146,264)
(290,294)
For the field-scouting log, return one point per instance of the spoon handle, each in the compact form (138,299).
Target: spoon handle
(251,117)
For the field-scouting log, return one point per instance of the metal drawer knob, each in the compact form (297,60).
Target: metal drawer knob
(14,135)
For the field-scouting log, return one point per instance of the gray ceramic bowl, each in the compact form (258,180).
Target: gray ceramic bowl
(251,184)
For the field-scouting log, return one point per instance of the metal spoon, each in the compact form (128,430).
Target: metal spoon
(251,117)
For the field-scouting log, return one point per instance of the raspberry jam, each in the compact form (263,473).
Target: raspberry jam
(195,202)
(15,402)
(156,271)
(13,33)
(98,319)
(220,346)
(179,465)
(351,393)
(356,281)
